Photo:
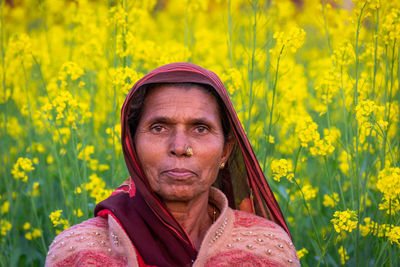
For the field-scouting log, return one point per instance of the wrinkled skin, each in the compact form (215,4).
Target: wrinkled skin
(172,120)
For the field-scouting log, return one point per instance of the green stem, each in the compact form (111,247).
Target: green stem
(251,73)
(375,53)
(273,94)
(355,102)
(230,33)
(310,216)
(326,27)
(34,210)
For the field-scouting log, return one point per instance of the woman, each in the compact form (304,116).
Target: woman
(180,135)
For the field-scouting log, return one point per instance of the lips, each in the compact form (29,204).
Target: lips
(179,173)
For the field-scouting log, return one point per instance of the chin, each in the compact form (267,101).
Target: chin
(178,196)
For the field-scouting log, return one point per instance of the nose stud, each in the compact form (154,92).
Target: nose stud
(189,152)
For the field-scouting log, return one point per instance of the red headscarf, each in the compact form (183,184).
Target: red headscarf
(158,238)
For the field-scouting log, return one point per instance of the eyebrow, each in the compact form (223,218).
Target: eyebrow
(166,120)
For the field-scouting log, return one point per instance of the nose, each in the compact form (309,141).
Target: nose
(179,144)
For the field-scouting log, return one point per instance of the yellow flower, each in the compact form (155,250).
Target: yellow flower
(369,227)
(103,167)
(21,167)
(306,131)
(28,236)
(55,217)
(5,207)
(344,54)
(344,159)
(26,226)
(391,26)
(271,139)
(124,78)
(49,159)
(233,80)
(78,212)
(343,255)
(289,40)
(5,226)
(36,233)
(84,154)
(35,190)
(344,221)
(309,192)
(70,69)
(77,191)
(330,201)
(281,168)
(96,187)
(389,183)
(391,206)
(302,252)
(393,234)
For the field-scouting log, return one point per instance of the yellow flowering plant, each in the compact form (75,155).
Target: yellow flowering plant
(315,84)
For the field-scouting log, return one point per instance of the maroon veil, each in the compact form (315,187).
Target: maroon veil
(157,237)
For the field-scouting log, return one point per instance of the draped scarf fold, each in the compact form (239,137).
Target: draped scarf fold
(154,232)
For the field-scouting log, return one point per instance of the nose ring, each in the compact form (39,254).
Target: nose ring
(189,152)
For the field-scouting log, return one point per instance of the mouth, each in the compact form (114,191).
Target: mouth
(179,173)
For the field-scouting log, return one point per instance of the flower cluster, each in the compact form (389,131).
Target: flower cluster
(5,207)
(233,80)
(70,70)
(281,168)
(31,233)
(21,168)
(64,109)
(5,227)
(314,83)
(391,26)
(330,200)
(56,219)
(306,130)
(302,252)
(290,40)
(114,137)
(388,184)
(343,255)
(124,78)
(96,188)
(85,155)
(344,221)
(344,54)
(325,146)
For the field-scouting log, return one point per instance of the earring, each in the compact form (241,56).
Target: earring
(222,165)
(189,152)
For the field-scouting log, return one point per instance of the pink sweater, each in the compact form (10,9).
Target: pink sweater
(236,238)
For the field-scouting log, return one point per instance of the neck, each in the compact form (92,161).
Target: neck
(194,216)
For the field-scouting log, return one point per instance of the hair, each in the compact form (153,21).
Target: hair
(136,106)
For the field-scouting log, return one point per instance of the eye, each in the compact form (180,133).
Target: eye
(201,129)
(157,129)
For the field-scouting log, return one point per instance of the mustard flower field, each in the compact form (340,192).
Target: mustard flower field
(315,84)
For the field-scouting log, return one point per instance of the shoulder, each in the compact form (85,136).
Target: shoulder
(244,219)
(254,240)
(84,244)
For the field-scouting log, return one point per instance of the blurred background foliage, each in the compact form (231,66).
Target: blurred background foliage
(315,84)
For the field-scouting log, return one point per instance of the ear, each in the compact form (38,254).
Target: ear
(228,148)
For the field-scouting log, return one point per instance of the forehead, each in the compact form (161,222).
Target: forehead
(182,101)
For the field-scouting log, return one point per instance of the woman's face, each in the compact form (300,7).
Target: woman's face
(172,120)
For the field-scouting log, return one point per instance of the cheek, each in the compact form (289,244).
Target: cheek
(148,155)
(209,160)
